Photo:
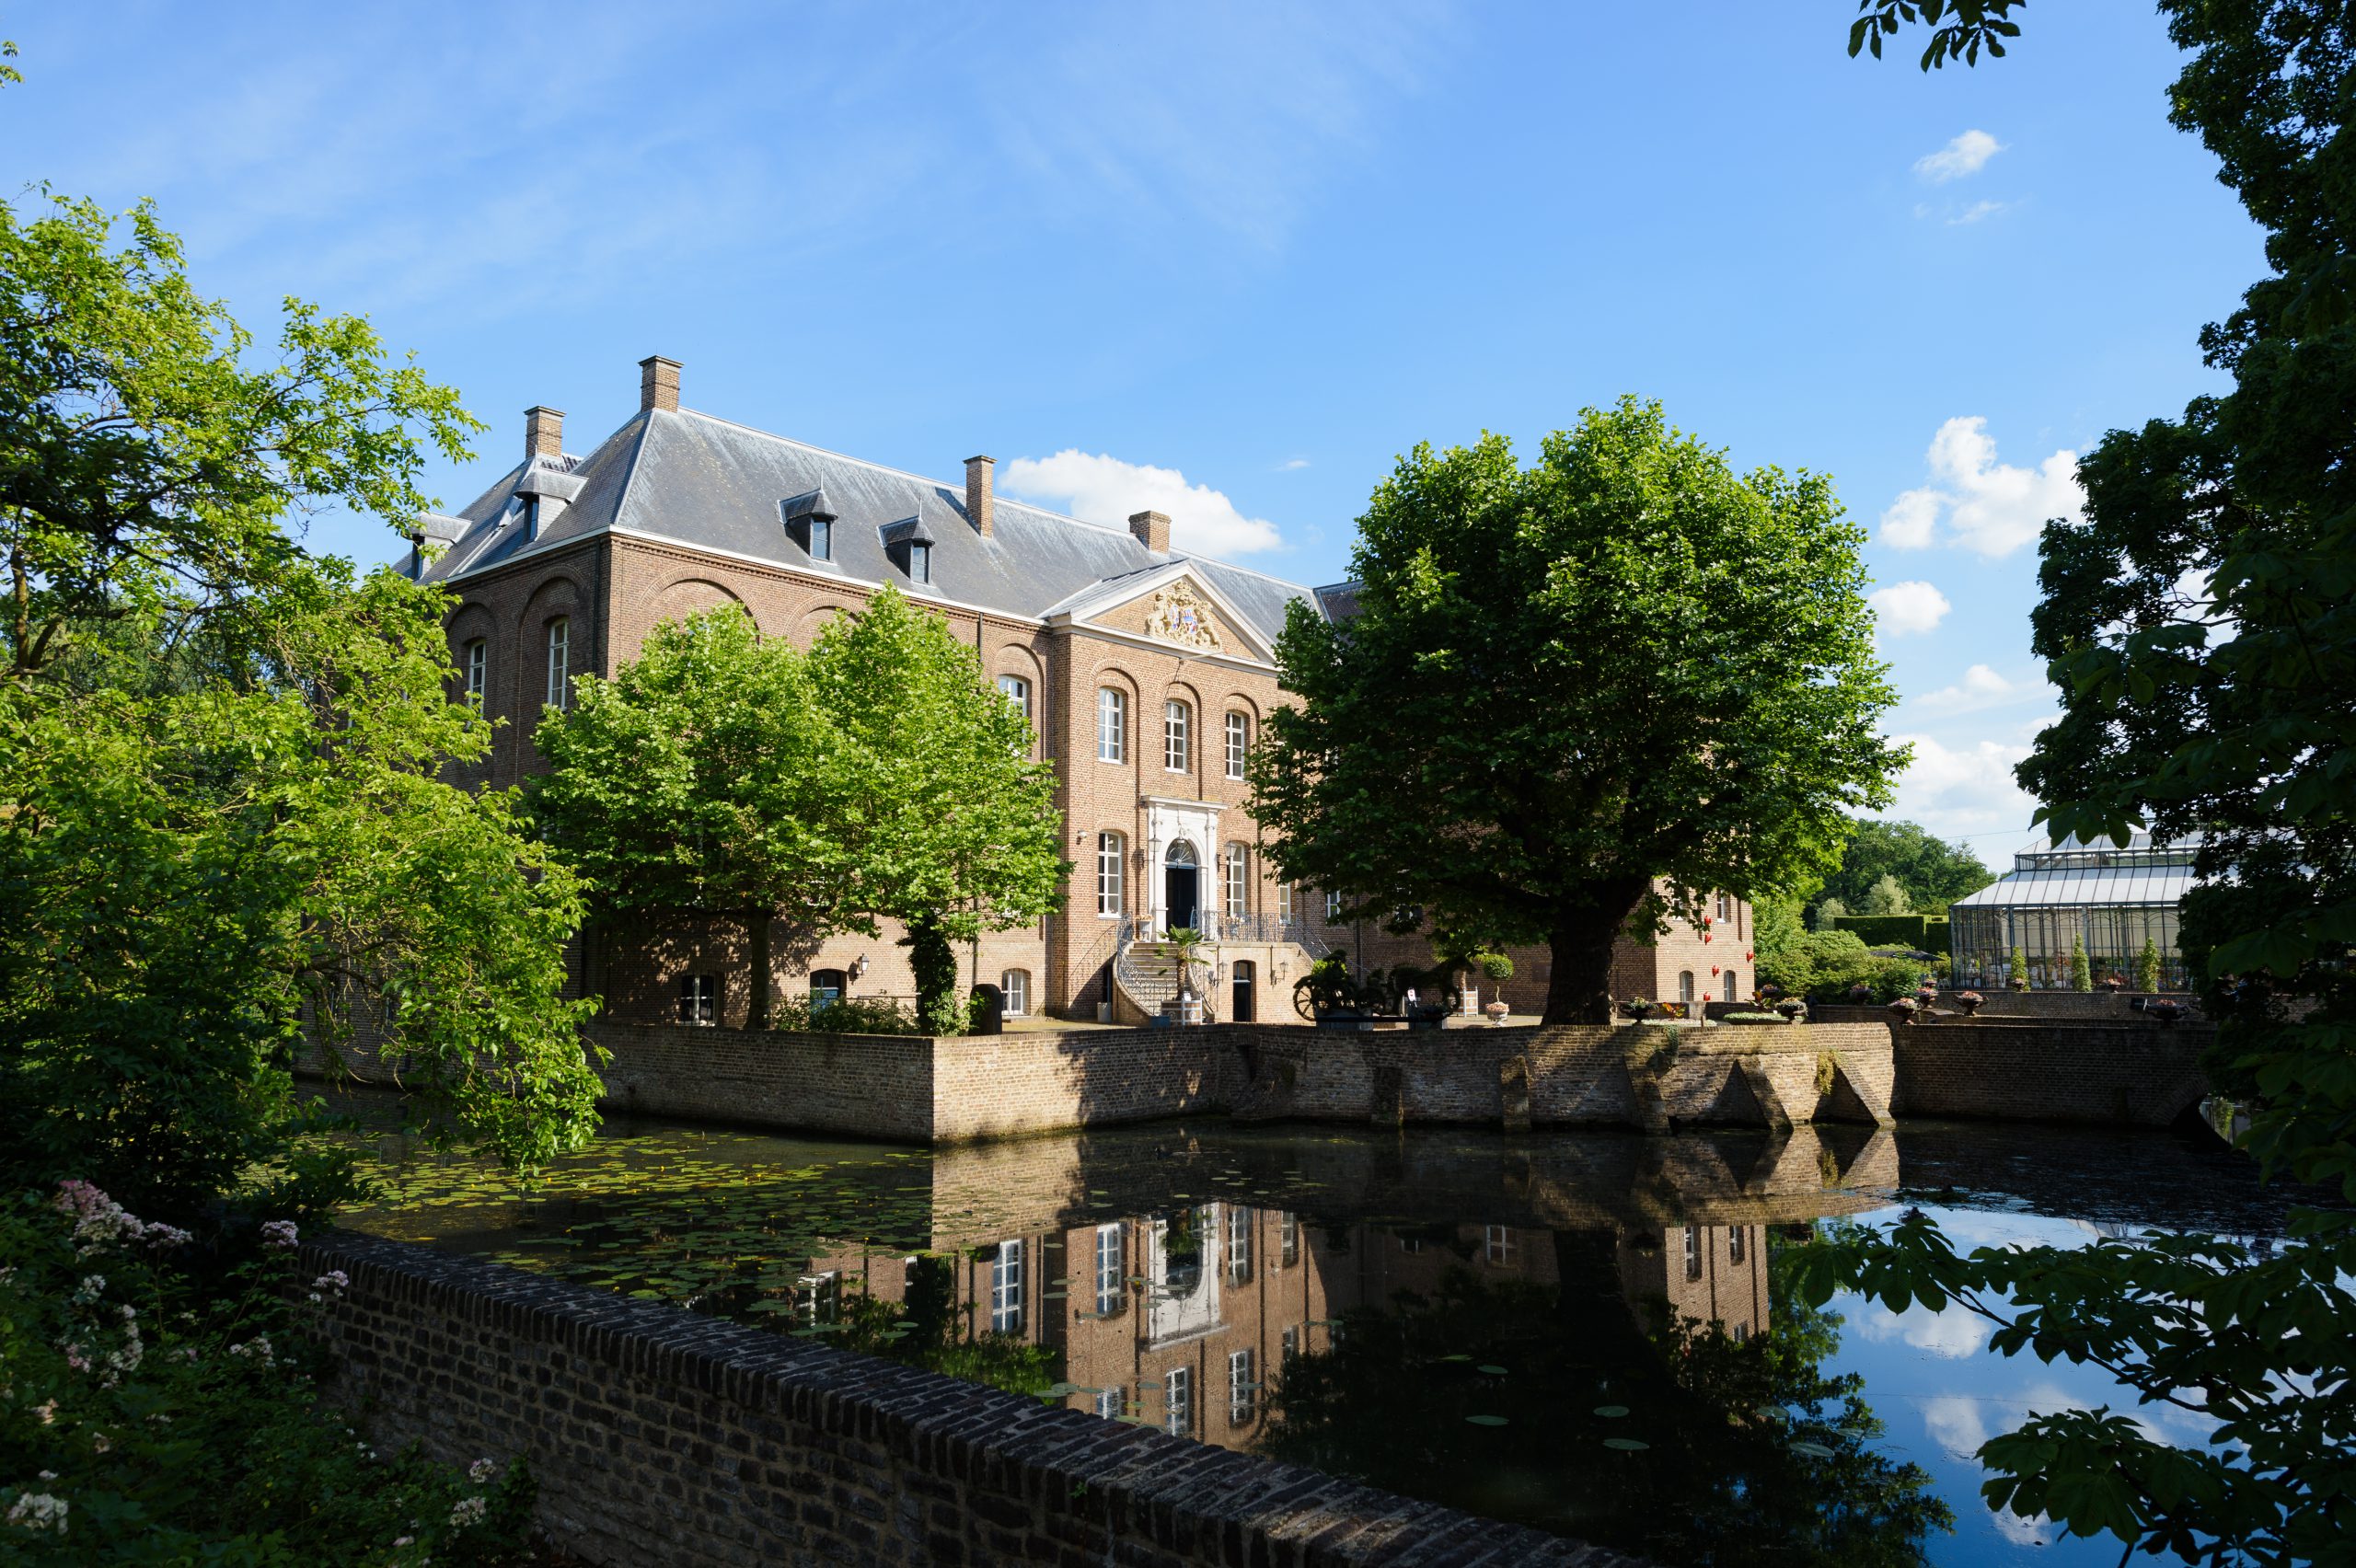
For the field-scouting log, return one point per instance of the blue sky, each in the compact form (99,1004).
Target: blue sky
(1228,261)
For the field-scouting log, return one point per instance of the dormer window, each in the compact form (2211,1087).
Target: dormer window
(810,521)
(909,545)
(531,515)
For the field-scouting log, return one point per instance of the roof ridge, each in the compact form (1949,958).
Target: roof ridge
(942,484)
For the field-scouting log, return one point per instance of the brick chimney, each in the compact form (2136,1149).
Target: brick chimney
(543,432)
(658,385)
(1152,530)
(977,493)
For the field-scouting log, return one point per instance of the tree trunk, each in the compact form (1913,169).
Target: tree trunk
(758,923)
(1579,988)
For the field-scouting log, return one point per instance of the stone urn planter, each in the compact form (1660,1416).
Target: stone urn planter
(1970,1002)
(1497,1011)
(2164,1012)
(1903,1009)
(1793,1008)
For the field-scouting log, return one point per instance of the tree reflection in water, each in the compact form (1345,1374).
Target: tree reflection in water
(1571,1408)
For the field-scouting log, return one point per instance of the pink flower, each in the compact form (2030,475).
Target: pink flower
(278,1233)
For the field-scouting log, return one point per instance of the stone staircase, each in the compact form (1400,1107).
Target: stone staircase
(1149,972)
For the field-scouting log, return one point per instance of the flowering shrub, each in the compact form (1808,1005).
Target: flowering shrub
(156,1405)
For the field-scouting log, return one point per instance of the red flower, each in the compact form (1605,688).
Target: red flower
(1714,969)
(1705,936)
(1749,956)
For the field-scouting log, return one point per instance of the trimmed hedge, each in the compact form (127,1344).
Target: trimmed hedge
(1925,933)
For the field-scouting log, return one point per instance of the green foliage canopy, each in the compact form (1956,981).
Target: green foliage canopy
(1569,685)
(1930,873)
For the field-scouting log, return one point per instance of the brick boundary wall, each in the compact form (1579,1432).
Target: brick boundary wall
(2116,1074)
(663,1438)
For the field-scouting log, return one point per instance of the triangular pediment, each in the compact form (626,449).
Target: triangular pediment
(1170,604)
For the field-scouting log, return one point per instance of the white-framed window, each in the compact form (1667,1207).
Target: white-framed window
(1109,1404)
(1017,691)
(1288,1345)
(1243,1386)
(1111,861)
(1729,987)
(1287,1239)
(1739,1333)
(559,662)
(1284,902)
(1178,1401)
(1238,875)
(1333,908)
(822,538)
(1737,1243)
(1111,1269)
(1112,724)
(1684,985)
(1726,906)
(1499,1245)
(1239,742)
(920,561)
(1014,985)
(1006,1289)
(478,670)
(699,999)
(1692,1251)
(1177,737)
(1239,1244)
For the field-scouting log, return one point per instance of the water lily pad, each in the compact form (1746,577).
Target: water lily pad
(1626,1444)
(1493,1371)
(1813,1451)
(1611,1412)
(1487,1420)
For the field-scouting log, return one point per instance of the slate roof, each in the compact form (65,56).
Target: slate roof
(705,482)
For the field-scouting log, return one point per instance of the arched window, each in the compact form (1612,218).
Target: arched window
(1015,986)
(1112,724)
(1729,987)
(1177,737)
(478,668)
(1239,742)
(1684,985)
(827,988)
(1333,908)
(1238,875)
(1016,690)
(559,662)
(1726,906)
(1110,858)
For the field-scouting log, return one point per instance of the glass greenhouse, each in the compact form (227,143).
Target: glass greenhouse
(2109,897)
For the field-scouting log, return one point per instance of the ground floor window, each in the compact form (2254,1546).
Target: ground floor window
(1015,984)
(699,999)
(1178,1401)
(1243,1388)
(1729,987)
(1684,985)
(827,988)
(1006,1289)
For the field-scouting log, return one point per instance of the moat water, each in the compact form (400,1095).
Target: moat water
(1585,1332)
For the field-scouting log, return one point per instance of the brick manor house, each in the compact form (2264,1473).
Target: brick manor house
(1146,675)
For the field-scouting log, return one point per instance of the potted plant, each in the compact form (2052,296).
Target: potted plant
(1496,1007)
(1793,1008)
(1639,1008)
(1926,996)
(1970,1001)
(2166,1012)
(2114,983)
(1861,995)
(1903,1009)
(2017,967)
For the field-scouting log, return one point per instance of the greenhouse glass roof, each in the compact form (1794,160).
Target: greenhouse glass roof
(2071,875)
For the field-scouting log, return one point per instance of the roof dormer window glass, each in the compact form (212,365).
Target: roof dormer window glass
(530,513)
(920,561)
(822,538)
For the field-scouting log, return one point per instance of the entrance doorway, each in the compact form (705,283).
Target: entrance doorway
(1244,975)
(1181,886)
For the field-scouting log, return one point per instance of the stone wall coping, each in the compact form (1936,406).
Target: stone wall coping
(1181,1494)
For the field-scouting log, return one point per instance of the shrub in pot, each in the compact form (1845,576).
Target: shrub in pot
(1903,1009)
(1793,1010)
(1970,1001)
(2166,1012)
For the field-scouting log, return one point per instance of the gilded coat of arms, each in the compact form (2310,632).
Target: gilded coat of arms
(1180,616)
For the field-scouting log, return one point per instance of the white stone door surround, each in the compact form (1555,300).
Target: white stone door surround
(1167,820)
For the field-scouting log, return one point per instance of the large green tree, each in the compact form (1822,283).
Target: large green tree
(1577,696)
(955,826)
(878,776)
(221,823)
(1934,873)
(705,780)
(2201,624)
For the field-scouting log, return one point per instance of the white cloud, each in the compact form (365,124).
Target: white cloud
(1903,608)
(1981,687)
(1952,1335)
(1289,464)
(1967,155)
(1990,507)
(1963,791)
(1976,211)
(1105,489)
